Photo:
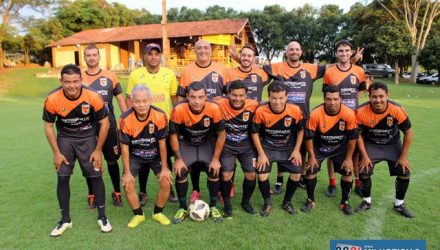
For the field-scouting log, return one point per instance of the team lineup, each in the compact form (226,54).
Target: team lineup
(213,118)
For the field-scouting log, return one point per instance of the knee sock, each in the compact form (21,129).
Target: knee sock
(63,194)
(290,190)
(113,170)
(99,191)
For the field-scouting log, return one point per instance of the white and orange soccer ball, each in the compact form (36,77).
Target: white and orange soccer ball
(199,210)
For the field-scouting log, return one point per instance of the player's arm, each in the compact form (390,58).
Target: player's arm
(165,172)
(128,102)
(311,162)
(295,157)
(262,161)
(96,156)
(121,102)
(127,177)
(364,161)
(174,99)
(58,157)
(215,160)
(407,140)
(347,164)
(179,164)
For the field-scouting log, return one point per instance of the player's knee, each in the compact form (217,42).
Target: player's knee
(263,177)
(403,177)
(227,176)
(250,176)
(347,177)
(129,187)
(181,179)
(311,176)
(295,177)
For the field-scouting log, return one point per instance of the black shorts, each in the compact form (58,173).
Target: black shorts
(81,149)
(281,157)
(388,153)
(200,153)
(111,148)
(137,164)
(245,155)
(337,158)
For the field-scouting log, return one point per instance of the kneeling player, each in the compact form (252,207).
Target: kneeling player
(277,133)
(197,136)
(143,130)
(331,133)
(380,121)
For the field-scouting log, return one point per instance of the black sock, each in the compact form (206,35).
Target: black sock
(226,192)
(63,194)
(138,211)
(143,178)
(401,187)
(280,179)
(113,170)
(366,187)
(195,178)
(311,185)
(264,187)
(157,209)
(213,187)
(248,190)
(89,186)
(346,190)
(181,189)
(99,191)
(290,190)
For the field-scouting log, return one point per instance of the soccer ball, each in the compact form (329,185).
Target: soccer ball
(199,210)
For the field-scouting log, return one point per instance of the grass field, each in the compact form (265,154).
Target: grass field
(29,208)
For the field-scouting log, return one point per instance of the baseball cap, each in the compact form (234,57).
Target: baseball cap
(151,46)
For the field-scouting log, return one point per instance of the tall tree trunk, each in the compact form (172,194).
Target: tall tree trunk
(397,73)
(415,67)
(2,56)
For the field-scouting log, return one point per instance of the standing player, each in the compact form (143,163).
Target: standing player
(380,120)
(351,80)
(237,112)
(79,112)
(107,85)
(197,135)
(162,83)
(211,75)
(143,132)
(277,133)
(331,133)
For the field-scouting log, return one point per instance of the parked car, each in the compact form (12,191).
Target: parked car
(422,79)
(432,79)
(382,70)
(406,75)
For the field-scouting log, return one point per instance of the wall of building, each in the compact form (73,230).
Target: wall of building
(63,56)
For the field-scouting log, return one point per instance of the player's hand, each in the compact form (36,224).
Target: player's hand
(358,55)
(347,164)
(403,162)
(311,164)
(126,179)
(179,165)
(165,174)
(58,159)
(214,166)
(96,159)
(295,158)
(262,162)
(365,165)
(233,52)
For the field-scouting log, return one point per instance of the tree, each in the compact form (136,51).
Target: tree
(430,55)
(330,22)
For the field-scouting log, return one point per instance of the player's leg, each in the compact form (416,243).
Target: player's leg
(292,184)
(195,181)
(311,181)
(278,186)
(264,185)
(346,183)
(247,162)
(227,160)
(331,189)
(213,188)
(172,197)
(91,197)
(132,197)
(357,182)
(162,195)
(144,172)
(111,155)
(181,183)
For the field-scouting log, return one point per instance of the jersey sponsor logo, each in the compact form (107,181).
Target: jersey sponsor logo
(85,109)
(287,121)
(353,80)
(303,74)
(103,81)
(342,125)
(254,78)
(151,128)
(214,77)
(206,122)
(390,121)
(245,116)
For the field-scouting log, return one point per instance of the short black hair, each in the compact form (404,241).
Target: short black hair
(195,86)
(237,84)
(376,86)
(248,46)
(276,86)
(343,42)
(91,46)
(70,69)
(331,89)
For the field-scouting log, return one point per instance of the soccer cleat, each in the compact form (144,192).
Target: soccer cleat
(265,210)
(358,191)
(195,195)
(346,208)
(143,198)
(331,192)
(232,194)
(277,188)
(117,199)
(247,207)
(136,220)
(60,228)
(104,225)
(288,207)
(91,202)
(172,197)
(308,206)
(161,218)
(215,215)
(404,211)
(228,213)
(363,207)
(181,214)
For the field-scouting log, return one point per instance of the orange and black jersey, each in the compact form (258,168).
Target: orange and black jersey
(195,129)
(76,118)
(237,122)
(142,136)
(330,133)
(350,82)
(212,77)
(298,80)
(277,130)
(382,129)
(254,79)
(107,85)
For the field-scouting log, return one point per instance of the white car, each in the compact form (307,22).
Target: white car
(432,79)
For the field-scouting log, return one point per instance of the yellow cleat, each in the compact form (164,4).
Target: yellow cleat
(136,220)
(161,218)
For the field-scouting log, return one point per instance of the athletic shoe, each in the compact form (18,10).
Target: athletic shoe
(265,210)
(143,198)
(60,228)
(117,199)
(181,214)
(302,182)
(308,206)
(358,191)
(363,207)
(228,213)
(136,220)
(404,211)
(195,195)
(346,208)
(172,197)
(277,188)
(287,206)
(232,194)
(161,218)
(331,192)
(247,207)
(104,224)
(91,202)
(215,215)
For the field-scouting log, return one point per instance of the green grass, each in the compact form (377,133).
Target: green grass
(29,208)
